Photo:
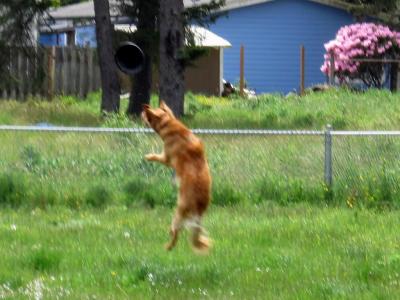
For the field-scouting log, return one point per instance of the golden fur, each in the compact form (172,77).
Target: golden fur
(184,152)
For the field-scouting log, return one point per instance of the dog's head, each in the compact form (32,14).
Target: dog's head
(153,117)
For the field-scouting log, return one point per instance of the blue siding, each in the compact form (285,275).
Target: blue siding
(53,39)
(86,36)
(272,33)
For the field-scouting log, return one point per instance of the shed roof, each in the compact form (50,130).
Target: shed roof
(85,10)
(202,36)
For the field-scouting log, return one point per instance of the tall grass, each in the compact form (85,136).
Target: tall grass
(344,109)
(98,170)
(82,170)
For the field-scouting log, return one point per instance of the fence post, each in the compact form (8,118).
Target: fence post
(302,69)
(241,83)
(51,57)
(328,156)
(332,70)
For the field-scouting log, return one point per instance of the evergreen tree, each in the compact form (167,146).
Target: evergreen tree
(386,10)
(146,15)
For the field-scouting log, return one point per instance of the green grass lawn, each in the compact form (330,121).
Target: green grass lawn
(83,216)
(259,252)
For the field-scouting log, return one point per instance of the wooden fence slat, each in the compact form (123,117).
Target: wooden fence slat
(58,72)
(90,79)
(13,71)
(64,71)
(74,72)
(82,73)
(51,53)
(68,74)
(20,78)
(29,76)
(5,93)
(51,71)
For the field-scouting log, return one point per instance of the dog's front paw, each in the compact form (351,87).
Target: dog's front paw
(150,156)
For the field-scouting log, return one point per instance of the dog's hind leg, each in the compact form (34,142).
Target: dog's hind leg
(175,228)
(200,242)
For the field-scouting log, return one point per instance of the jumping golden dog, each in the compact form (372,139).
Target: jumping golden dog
(184,152)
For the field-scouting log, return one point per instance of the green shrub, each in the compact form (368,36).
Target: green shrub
(74,200)
(193,106)
(150,193)
(43,196)
(98,196)
(286,190)
(31,157)
(226,195)
(44,260)
(13,190)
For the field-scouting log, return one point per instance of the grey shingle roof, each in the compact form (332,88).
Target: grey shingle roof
(85,10)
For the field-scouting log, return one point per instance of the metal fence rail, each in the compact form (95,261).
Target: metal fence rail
(149,130)
(354,162)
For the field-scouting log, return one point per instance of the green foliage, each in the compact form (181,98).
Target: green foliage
(13,190)
(226,195)
(193,106)
(31,157)
(68,2)
(149,193)
(286,191)
(388,11)
(43,197)
(44,260)
(99,196)
(368,7)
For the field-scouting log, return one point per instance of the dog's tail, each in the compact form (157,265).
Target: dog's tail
(200,242)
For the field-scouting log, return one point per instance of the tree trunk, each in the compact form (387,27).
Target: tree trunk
(171,79)
(142,82)
(394,68)
(109,77)
(141,89)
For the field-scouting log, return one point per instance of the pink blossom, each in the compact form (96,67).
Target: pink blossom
(357,41)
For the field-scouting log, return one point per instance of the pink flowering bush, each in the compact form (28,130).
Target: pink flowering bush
(361,41)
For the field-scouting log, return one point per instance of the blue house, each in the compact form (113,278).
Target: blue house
(272,32)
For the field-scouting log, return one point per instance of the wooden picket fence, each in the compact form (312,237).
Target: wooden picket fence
(50,71)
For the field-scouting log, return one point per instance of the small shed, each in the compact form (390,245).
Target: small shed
(205,75)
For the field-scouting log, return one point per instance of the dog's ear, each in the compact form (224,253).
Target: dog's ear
(153,113)
(165,108)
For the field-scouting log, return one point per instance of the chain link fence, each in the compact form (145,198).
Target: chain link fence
(76,166)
